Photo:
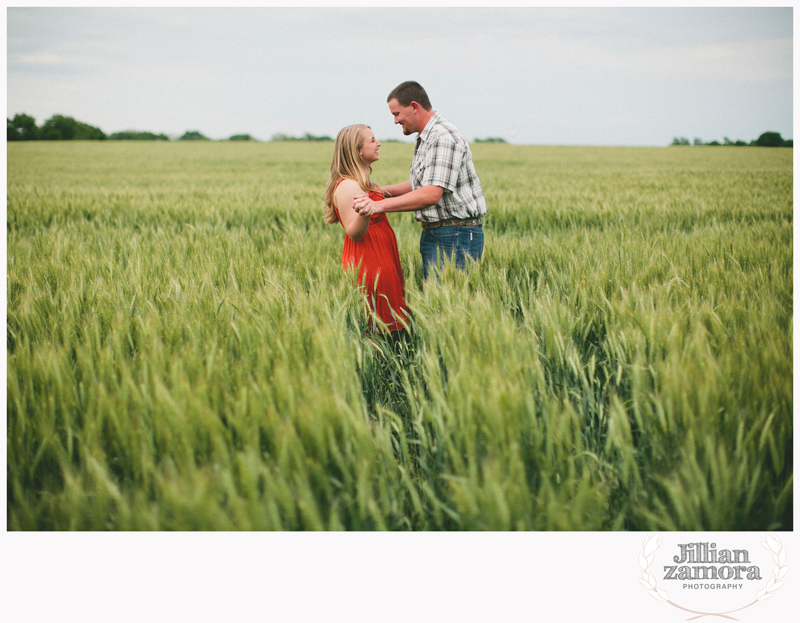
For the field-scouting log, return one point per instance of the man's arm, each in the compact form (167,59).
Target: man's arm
(407,202)
(395,190)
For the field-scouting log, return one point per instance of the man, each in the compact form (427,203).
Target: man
(443,190)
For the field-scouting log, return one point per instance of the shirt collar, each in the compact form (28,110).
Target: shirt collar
(435,118)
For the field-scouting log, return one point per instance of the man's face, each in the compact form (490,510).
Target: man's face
(404,115)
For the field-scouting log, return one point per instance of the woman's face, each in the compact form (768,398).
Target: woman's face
(369,148)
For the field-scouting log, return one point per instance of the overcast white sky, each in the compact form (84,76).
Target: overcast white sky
(531,75)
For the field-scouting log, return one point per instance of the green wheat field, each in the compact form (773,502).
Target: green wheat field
(184,351)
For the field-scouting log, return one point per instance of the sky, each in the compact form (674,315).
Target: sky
(543,76)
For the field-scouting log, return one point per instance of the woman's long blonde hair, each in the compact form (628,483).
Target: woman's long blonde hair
(347,163)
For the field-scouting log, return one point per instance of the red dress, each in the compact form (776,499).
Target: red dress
(380,273)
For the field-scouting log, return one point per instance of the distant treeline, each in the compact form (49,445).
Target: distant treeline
(280,137)
(60,128)
(768,139)
(56,128)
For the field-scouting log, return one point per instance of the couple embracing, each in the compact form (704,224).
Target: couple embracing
(443,190)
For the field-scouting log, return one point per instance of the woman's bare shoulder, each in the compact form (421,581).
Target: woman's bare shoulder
(345,191)
(349,186)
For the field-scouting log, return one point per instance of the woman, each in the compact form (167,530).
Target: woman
(369,241)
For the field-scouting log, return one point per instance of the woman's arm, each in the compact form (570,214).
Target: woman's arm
(355,225)
(395,190)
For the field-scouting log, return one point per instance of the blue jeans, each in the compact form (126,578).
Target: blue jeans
(456,242)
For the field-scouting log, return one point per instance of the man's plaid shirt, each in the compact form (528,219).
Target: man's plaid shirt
(442,158)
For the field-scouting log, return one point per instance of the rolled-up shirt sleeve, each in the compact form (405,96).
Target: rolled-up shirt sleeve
(443,163)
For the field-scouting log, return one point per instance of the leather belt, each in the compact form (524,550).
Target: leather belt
(453,222)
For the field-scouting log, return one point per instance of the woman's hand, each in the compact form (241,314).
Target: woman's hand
(365,206)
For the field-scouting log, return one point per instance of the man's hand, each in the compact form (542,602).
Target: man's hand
(365,206)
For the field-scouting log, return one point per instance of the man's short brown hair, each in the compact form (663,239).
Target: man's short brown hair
(408,92)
